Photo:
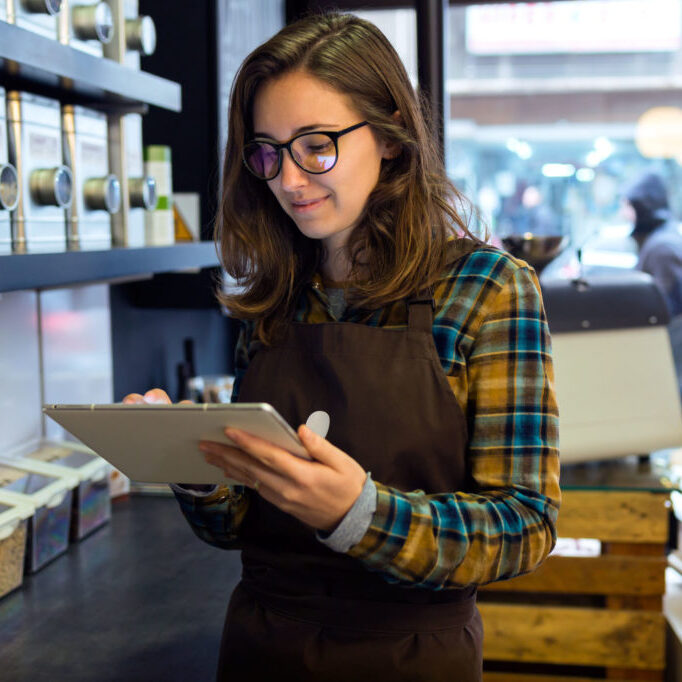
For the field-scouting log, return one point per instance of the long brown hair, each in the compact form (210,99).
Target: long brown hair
(399,244)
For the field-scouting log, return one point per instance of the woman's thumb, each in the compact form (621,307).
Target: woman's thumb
(319,448)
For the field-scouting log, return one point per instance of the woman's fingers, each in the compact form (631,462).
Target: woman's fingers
(271,456)
(230,471)
(132,399)
(321,450)
(155,395)
(236,459)
(317,491)
(240,466)
(250,449)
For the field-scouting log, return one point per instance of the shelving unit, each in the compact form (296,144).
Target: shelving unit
(46,270)
(153,297)
(38,64)
(31,62)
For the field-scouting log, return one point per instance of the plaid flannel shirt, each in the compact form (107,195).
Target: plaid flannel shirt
(493,342)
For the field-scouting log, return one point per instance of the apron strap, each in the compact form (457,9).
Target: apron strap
(420,311)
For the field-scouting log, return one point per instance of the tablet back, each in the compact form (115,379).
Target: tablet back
(160,443)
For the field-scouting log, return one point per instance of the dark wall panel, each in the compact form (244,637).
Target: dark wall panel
(148,337)
(186,54)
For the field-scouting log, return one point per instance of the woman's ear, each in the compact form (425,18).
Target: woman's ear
(392,149)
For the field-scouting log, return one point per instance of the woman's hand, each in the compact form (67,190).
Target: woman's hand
(154,395)
(319,491)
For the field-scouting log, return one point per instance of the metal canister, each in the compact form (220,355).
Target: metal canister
(45,184)
(141,188)
(97,192)
(9,184)
(86,25)
(39,16)
(138,190)
(135,34)
(140,34)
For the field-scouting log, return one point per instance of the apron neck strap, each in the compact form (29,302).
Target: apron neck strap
(420,311)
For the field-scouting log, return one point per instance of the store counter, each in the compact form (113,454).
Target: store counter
(594,608)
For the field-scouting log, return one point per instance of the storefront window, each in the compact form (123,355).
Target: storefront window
(400,27)
(556,107)
(243,26)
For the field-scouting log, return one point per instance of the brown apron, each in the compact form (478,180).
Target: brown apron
(304,612)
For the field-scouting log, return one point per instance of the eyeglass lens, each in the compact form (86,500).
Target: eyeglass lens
(314,152)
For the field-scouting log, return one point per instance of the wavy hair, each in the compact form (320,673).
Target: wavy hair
(398,246)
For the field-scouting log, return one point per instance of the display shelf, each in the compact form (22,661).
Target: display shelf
(49,270)
(32,62)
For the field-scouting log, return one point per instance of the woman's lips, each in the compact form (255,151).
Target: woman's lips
(308,205)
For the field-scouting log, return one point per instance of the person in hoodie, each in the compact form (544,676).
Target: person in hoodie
(658,239)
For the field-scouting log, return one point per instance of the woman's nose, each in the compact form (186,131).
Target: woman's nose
(293,177)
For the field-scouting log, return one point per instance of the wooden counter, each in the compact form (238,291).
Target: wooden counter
(585,618)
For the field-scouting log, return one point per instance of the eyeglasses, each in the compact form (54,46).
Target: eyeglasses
(315,153)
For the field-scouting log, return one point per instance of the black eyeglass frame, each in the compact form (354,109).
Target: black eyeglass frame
(334,135)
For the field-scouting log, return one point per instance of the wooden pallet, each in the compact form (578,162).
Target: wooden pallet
(602,613)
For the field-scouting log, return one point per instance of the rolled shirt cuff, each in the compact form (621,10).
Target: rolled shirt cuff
(355,523)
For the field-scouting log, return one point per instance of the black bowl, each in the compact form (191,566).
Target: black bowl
(536,250)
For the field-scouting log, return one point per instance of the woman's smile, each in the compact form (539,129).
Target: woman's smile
(308,205)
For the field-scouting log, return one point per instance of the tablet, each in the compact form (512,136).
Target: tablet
(159,443)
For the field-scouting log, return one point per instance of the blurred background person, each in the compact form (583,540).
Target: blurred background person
(659,243)
(658,238)
(534,215)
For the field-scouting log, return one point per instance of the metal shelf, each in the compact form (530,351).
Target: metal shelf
(50,270)
(32,62)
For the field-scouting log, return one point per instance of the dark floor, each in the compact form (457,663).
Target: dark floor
(142,599)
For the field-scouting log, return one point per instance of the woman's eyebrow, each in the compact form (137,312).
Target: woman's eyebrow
(302,129)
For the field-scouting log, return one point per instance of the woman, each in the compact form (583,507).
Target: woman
(364,296)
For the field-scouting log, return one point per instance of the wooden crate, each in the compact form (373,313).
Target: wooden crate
(601,613)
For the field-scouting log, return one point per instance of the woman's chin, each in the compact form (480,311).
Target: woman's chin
(332,236)
(314,231)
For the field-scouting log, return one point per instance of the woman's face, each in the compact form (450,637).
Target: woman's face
(326,206)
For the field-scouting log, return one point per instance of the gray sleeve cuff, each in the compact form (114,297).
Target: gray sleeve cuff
(355,523)
(194,490)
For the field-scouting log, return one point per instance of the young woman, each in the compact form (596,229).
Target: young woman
(364,296)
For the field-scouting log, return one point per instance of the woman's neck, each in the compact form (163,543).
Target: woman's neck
(336,266)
